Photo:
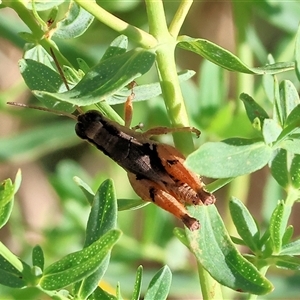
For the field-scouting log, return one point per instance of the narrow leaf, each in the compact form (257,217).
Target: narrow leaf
(215,251)
(288,262)
(76,22)
(103,217)
(278,223)
(287,235)
(279,168)
(105,79)
(160,285)
(100,294)
(292,248)
(295,171)
(38,257)
(297,54)
(77,265)
(253,109)
(289,97)
(244,223)
(117,47)
(131,204)
(138,284)
(9,275)
(226,59)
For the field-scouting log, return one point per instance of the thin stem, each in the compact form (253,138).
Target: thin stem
(210,288)
(168,74)
(39,35)
(179,17)
(136,34)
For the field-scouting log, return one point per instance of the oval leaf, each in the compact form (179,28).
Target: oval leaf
(279,168)
(278,224)
(160,285)
(77,21)
(229,158)
(253,109)
(105,79)
(77,265)
(40,77)
(244,223)
(103,217)
(215,251)
(38,257)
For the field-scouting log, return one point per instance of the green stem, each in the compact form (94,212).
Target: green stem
(179,17)
(136,34)
(39,35)
(168,74)
(211,289)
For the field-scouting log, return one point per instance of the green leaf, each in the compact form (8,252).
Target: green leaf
(294,117)
(76,22)
(7,191)
(39,141)
(9,275)
(38,54)
(291,145)
(279,168)
(295,171)
(103,217)
(215,251)
(105,79)
(288,263)
(100,294)
(271,131)
(289,98)
(41,5)
(160,285)
(77,265)
(138,284)
(278,224)
(287,235)
(85,189)
(145,91)
(117,47)
(292,248)
(297,54)
(131,204)
(229,158)
(226,59)
(244,224)
(38,257)
(253,109)
(40,77)
(180,234)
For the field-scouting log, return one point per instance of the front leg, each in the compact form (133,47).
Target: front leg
(151,191)
(165,130)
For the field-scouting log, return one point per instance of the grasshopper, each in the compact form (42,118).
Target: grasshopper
(155,170)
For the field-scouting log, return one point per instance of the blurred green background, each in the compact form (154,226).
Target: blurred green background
(52,211)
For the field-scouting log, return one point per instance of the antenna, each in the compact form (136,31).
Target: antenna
(56,112)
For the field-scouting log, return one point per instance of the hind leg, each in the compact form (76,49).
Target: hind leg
(151,191)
